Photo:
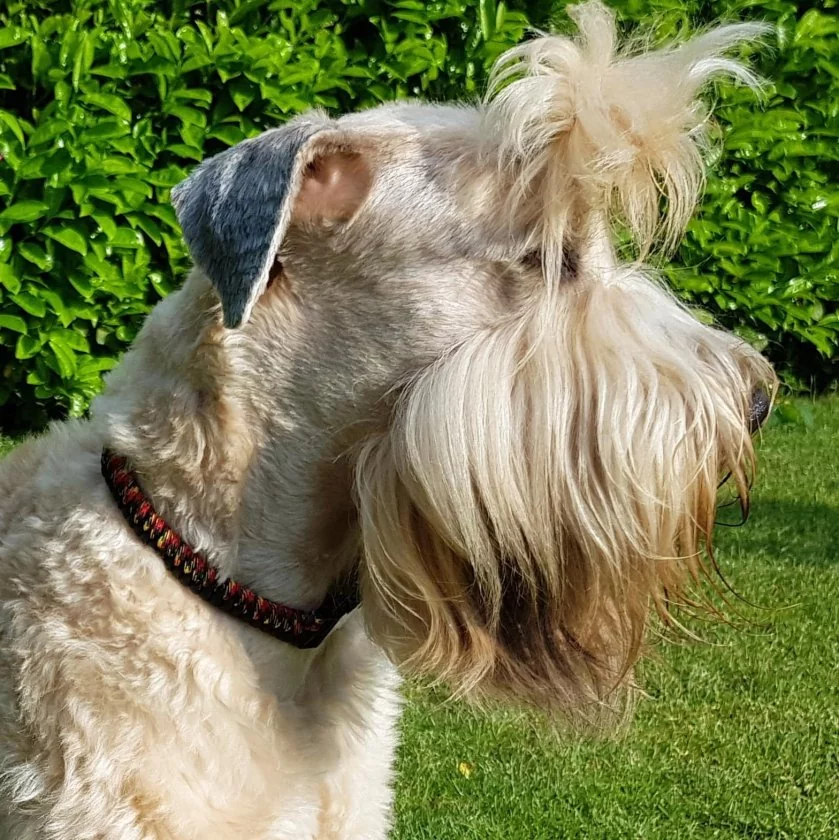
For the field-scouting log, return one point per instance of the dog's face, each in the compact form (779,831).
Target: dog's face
(536,432)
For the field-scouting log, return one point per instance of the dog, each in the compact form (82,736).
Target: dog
(415,409)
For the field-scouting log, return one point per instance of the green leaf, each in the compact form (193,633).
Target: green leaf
(164,212)
(110,103)
(242,92)
(167,176)
(65,358)
(97,364)
(71,339)
(193,95)
(488,15)
(84,53)
(9,278)
(162,284)
(119,165)
(245,9)
(133,185)
(228,134)
(29,303)
(183,150)
(149,227)
(36,255)
(32,168)
(55,301)
(196,62)
(11,36)
(13,322)
(192,135)
(106,223)
(104,130)
(189,115)
(81,283)
(48,130)
(757,339)
(126,238)
(11,121)
(70,236)
(27,346)
(24,211)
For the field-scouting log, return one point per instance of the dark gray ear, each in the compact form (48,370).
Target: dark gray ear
(234,210)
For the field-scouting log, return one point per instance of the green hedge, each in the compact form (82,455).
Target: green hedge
(105,105)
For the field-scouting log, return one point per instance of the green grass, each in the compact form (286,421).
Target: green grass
(740,737)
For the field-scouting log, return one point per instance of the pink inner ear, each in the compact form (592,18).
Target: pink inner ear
(334,186)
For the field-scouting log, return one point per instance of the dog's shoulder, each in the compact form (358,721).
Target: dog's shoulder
(44,482)
(15,470)
(63,544)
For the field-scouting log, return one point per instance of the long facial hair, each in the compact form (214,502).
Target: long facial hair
(551,482)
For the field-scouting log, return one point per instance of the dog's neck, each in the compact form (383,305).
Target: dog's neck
(296,530)
(278,518)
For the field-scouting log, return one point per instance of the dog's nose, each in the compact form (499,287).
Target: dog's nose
(759,410)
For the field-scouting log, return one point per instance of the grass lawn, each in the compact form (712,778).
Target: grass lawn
(740,738)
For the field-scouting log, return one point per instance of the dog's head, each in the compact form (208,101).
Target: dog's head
(536,429)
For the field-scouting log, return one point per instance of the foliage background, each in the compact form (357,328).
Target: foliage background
(104,106)
(763,254)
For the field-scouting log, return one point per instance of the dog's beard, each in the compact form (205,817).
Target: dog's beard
(547,486)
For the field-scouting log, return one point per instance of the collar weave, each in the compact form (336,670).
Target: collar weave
(303,629)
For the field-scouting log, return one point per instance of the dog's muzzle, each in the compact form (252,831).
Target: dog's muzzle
(759,410)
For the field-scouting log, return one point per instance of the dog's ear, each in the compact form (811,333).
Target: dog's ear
(235,208)
(335,183)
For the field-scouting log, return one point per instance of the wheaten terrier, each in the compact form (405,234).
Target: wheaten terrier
(409,409)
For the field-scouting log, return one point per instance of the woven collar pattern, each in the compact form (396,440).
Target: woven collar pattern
(303,629)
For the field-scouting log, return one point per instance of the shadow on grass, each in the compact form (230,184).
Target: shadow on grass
(800,533)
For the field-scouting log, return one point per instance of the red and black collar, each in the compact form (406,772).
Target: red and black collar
(303,629)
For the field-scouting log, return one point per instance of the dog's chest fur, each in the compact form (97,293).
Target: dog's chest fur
(131,709)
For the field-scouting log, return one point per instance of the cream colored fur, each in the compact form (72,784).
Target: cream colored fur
(452,382)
